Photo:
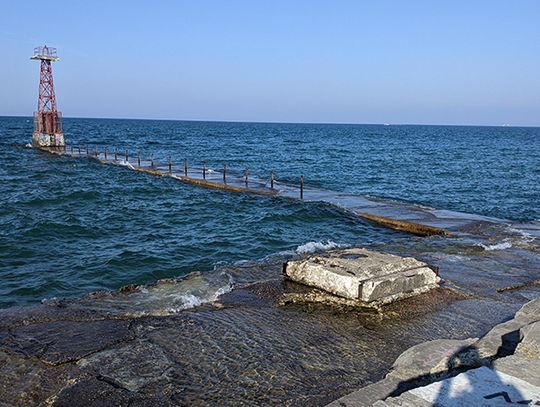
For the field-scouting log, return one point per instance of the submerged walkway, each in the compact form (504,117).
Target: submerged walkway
(401,216)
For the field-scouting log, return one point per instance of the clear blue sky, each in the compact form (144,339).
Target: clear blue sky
(380,61)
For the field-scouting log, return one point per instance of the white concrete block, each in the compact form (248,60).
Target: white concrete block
(364,275)
(479,387)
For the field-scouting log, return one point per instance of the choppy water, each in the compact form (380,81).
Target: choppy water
(72,226)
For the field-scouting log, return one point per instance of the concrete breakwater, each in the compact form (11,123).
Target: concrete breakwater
(396,215)
(226,179)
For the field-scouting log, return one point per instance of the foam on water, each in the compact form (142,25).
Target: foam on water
(165,297)
(505,244)
(526,237)
(126,164)
(314,247)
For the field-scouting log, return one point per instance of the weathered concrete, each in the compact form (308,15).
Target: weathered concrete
(364,275)
(100,350)
(47,141)
(530,344)
(529,312)
(368,395)
(503,339)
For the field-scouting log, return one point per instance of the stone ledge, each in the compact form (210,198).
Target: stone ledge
(529,347)
(489,359)
(429,358)
(368,395)
(521,367)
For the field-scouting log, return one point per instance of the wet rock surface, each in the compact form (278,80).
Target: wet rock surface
(143,346)
(248,351)
(58,342)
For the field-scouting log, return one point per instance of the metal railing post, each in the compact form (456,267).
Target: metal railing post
(185,167)
(301,187)
(204,169)
(170,165)
(138,158)
(127,156)
(246,173)
(225,173)
(272,178)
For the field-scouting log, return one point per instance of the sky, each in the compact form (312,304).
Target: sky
(418,62)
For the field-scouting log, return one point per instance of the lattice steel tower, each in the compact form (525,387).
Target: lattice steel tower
(47,119)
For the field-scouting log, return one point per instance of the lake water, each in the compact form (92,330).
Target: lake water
(70,226)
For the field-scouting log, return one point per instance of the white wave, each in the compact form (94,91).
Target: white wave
(28,145)
(188,300)
(525,236)
(126,164)
(454,258)
(283,253)
(313,247)
(505,244)
(165,297)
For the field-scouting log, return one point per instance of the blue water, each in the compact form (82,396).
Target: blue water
(70,226)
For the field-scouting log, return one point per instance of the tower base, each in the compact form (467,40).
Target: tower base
(40,140)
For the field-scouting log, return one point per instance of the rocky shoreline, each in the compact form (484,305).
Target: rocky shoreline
(245,348)
(253,338)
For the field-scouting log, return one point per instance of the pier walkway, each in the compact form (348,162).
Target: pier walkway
(400,216)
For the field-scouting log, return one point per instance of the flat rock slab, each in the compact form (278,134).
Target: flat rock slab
(364,275)
(430,358)
(367,396)
(59,342)
(530,345)
(478,387)
(521,367)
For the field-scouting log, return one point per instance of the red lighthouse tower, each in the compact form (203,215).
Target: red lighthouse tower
(47,119)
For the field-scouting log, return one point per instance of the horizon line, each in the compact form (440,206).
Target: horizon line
(287,122)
